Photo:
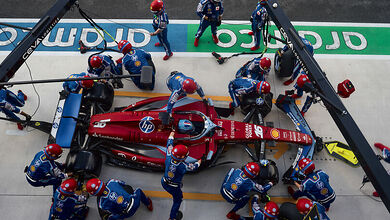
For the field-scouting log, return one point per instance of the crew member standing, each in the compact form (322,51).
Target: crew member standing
(258,20)
(210,13)
(175,168)
(160,26)
(302,79)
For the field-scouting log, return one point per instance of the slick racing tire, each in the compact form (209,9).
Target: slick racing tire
(84,163)
(269,173)
(284,63)
(289,211)
(100,93)
(249,101)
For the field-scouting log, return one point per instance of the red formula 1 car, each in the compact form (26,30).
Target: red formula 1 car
(135,136)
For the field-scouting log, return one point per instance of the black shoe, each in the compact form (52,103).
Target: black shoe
(179,215)
(28,118)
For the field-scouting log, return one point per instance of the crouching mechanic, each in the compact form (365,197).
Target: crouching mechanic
(9,103)
(44,170)
(257,69)
(181,85)
(315,186)
(116,200)
(304,205)
(103,65)
(238,183)
(270,211)
(160,23)
(76,86)
(258,19)
(133,60)
(297,65)
(210,13)
(243,86)
(175,168)
(302,79)
(66,204)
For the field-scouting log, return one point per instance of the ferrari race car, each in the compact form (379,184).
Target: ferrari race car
(135,136)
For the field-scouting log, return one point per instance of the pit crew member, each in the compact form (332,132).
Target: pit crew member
(103,65)
(297,65)
(76,86)
(258,19)
(385,156)
(315,186)
(257,69)
(68,205)
(180,85)
(237,184)
(133,60)
(9,103)
(210,13)
(302,79)
(116,200)
(160,23)
(44,170)
(242,86)
(270,210)
(175,168)
(304,205)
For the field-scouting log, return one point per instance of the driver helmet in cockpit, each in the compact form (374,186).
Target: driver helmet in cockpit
(185,126)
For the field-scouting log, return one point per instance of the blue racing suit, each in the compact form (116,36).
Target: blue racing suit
(211,10)
(73,207)
(253,70)
(44,172)
(117,203)
(386,155)
(173,175)
(9,103)
(321,211)
(73,86)
(133,63)
(236,186)
(258,212)
(108,67)
(258,20)
(317,188)
(160,21)
(175,85)
(241,86)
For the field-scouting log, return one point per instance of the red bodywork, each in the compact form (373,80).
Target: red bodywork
(128,126)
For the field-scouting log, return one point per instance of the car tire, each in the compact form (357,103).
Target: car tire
(85,163)
(100,93)
(284,63)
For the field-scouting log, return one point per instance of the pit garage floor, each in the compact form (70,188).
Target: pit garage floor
(368,105)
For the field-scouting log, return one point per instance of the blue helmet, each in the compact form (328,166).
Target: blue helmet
(309,46)
(185,126)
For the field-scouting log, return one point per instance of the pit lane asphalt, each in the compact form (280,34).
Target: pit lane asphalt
(363,11)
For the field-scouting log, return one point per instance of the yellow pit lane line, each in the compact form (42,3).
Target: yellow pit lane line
(152,95)
(206,196)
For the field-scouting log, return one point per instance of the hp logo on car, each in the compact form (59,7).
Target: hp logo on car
(146,125)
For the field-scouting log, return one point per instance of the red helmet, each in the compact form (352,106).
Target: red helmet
(302,79)
(262,2)
(306,165)
(87,83)
(68,187)
(124,46)
(156,6)
(189,86)
(96,61)
(251,169)
(263,87)
(95,187)
(271,210)
(304,205)
(265,63)
(180,152)
(53,151)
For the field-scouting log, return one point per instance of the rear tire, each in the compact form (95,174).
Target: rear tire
(284,64)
